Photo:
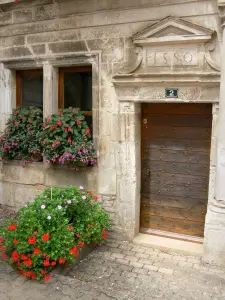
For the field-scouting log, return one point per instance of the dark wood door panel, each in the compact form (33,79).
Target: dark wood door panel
(175,190)
(204,121)
(182,156)
(178,108)
(168,224)
(159,178)
(172,201)
(176,142)
(197,215)
(192,133)
(175,167)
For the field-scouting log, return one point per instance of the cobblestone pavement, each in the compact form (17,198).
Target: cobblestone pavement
(121,270)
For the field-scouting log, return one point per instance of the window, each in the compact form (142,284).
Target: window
(75,90)
(29,88)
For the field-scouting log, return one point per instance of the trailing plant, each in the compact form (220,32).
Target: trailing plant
(66,138)
(20,139)
(51,230)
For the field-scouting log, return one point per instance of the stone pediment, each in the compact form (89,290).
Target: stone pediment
(172,45)
(172,30)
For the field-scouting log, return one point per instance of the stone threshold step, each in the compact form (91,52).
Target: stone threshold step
(184,247)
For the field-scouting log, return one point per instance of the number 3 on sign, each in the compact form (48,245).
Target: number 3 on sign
(171,93)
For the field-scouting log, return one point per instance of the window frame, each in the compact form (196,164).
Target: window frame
(19,76)
(62,71)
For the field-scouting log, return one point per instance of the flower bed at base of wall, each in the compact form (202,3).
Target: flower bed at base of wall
(51,230)
(64,138)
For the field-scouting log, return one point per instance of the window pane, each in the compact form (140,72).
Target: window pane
(32,90)
(78,90)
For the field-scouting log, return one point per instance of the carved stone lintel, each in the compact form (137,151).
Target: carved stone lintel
(133,62)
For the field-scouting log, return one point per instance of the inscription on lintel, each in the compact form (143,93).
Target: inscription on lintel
(175,58)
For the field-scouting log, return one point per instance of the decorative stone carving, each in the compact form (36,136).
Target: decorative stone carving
(172,45)
(134,61)
(172,30)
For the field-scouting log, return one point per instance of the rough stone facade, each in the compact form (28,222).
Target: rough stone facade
(133,61)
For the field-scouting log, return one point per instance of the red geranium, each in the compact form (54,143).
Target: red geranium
(73,250)
(53,263)
(46,263)
(24,257)
(43,272)
(45,237)
(2,248)
(81,244)
(32,240)
(62,261)
(4,256)
(15,241)
(12,227)
(47,277)
(28,262)
(1,240)
(70,227)
(37,251)
(104,233)
(96,198)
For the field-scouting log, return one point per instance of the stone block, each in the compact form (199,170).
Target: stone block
(15,52)
(12,41)
(46,37)
(28,28)
(62,47)
(5,18)
(63,176)
(106,180)
(108,46)
(38,49)
(45,12)
(22,16)
(32,174)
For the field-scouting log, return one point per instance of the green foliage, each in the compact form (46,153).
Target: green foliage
(66,138)
(20,139)
(50,231)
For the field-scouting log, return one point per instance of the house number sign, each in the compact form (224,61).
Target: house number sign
(171,93)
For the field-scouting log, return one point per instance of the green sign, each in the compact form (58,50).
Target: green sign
(171,93)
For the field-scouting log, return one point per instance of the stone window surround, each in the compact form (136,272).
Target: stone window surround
(50,67)
(129,173)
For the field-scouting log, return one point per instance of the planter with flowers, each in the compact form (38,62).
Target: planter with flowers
(20,140)
(66,139)
(52,230)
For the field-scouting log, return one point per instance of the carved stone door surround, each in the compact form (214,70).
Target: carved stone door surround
(172,53)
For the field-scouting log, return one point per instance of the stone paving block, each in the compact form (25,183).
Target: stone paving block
(166,271)
(126,252)
(125,247)
(136,264)
(142,255)
(144,261)
(185,264)
(179,258)
(113,245)
(150,268)
(131,258)
(194,260)
(123,261)
(138,249)
(117,255)
(140,271)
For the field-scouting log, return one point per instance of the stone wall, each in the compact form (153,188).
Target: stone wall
(43,30)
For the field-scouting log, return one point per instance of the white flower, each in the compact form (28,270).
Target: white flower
(25,205)
(81,188)
(43,206)
(49,217)
(69,201)
(59,207)
(83,197)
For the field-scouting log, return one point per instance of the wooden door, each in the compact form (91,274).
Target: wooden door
(175,167)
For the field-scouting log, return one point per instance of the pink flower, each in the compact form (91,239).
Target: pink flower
(59,123)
